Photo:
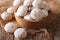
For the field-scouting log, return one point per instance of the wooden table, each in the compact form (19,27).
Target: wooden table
(54,35)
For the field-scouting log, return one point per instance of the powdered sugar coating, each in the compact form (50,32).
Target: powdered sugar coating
(20,33)
(37,3)
(10,10)
(22,10)
(45,12)
(40,4)
(10,27)
(17,3)
(28,2)
(6,16)
(28,17)
(17,14)
(45,6)
(37,14)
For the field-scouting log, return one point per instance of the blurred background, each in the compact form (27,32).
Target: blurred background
(4,4)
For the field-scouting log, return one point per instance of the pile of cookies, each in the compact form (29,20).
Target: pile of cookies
(28,10)
(33,10)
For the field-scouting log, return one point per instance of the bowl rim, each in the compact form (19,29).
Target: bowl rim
(32,21)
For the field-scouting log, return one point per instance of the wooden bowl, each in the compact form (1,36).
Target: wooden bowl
(35,24)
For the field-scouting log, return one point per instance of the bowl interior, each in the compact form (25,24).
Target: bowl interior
(50,15)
